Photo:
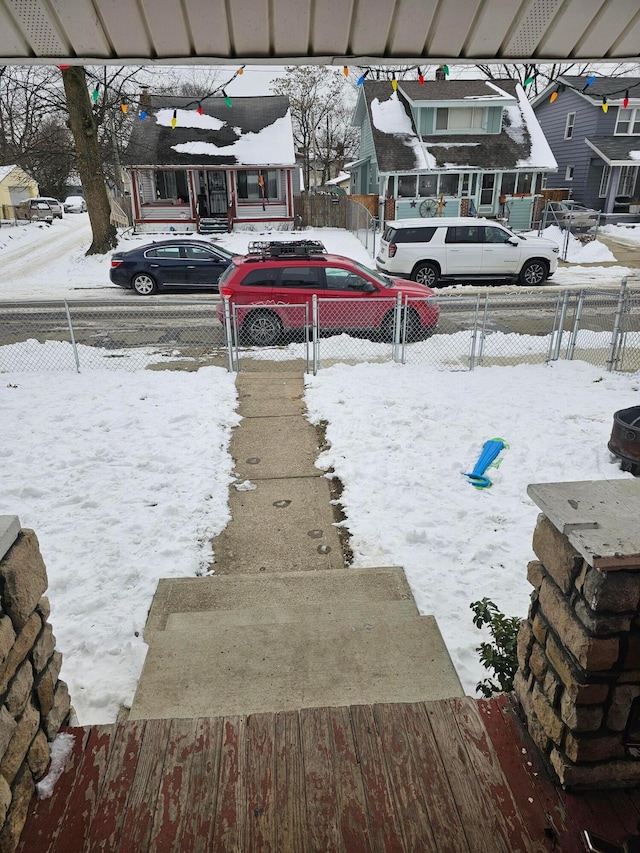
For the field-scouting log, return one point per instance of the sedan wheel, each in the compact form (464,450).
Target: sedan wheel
(144,285)
(534,273)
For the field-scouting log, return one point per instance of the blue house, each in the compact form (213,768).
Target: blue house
(450,148)
(594,133)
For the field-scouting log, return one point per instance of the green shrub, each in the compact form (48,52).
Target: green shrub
(501,656)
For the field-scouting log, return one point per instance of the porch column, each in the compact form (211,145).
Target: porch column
(612,189)
(578,678)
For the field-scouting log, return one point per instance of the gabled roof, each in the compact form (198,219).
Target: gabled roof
(400,148)
(616,150)
(613,88)
(253,132)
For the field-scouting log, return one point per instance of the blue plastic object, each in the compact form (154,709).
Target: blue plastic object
(490,452)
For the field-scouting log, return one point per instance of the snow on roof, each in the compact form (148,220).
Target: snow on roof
(343,176)
(392,118)
(635,155)
(540,155)
(273,145)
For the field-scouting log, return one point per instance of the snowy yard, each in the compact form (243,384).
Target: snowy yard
(125,476)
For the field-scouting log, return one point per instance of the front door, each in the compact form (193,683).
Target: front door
(217,185)
(487,192)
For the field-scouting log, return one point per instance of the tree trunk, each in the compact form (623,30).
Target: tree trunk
(85,135)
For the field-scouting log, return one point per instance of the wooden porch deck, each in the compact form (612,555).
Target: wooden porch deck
(455,775)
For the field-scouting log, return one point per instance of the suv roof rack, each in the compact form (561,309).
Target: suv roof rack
(290,249)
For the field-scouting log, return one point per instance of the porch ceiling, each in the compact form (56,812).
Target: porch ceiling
(301,31)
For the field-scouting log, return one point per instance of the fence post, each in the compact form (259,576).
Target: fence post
(560,331)
(398,330)
(483,330)
(576,325)
(614,349)
(474,334)
(306,336)
(73,337)
(227,332)
(314,332)
(552,337)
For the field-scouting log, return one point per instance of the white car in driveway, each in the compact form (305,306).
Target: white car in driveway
(75,204)
(432,251)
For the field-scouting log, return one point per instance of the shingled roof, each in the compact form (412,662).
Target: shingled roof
(613,88)
(400,148)
(252,132)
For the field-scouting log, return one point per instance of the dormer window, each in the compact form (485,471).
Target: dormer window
(628,122)
(460,118)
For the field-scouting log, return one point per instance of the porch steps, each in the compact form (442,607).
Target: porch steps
(211,225)
(246,644)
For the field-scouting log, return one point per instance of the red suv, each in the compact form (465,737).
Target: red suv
(272,290)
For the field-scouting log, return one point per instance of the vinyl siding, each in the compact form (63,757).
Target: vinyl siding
(589,121)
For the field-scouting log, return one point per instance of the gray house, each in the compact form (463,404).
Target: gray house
(450,148)
(598,151)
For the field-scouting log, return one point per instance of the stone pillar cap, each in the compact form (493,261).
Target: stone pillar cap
(600,518)
(9,529)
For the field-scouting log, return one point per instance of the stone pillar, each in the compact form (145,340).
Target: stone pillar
(578,680)
(34,703)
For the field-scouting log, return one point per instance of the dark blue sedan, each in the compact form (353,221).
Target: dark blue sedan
(170,265)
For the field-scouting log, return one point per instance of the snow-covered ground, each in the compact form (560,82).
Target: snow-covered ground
(38,261)
(125,476)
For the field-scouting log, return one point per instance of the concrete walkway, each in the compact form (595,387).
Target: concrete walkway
(283,624)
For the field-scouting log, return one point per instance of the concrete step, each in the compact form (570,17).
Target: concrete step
(247,669)
(323,613)
(277,590)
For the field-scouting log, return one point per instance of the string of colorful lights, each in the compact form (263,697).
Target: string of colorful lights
(442,72)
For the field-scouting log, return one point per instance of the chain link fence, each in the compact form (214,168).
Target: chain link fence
(123,335)
(450,331)
(362,223)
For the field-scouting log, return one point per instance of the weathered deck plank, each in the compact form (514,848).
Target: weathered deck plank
(352,813)
(384,826)
(289,798)
(172,802)
(447,827)
(404,780)
(320,783)
(115,790)
(141,804)
(261,733)
(201,795)
(230,820)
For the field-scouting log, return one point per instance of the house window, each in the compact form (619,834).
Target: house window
(257,184)
(604,181)
(406,186)
(427,185)
(627,180)
(568,175)
(459,118)
(449,184)
(172,184)
(509,183)
(525,182)
(469,184)
(568,128)
(628,121)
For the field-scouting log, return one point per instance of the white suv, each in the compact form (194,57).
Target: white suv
(463,248)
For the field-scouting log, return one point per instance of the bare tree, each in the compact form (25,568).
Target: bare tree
(320,116)
(83,126)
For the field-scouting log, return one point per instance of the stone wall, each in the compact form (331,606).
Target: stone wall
(34,703)
(579,662)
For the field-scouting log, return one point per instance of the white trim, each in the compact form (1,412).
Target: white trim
(604,181)
(568,175)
